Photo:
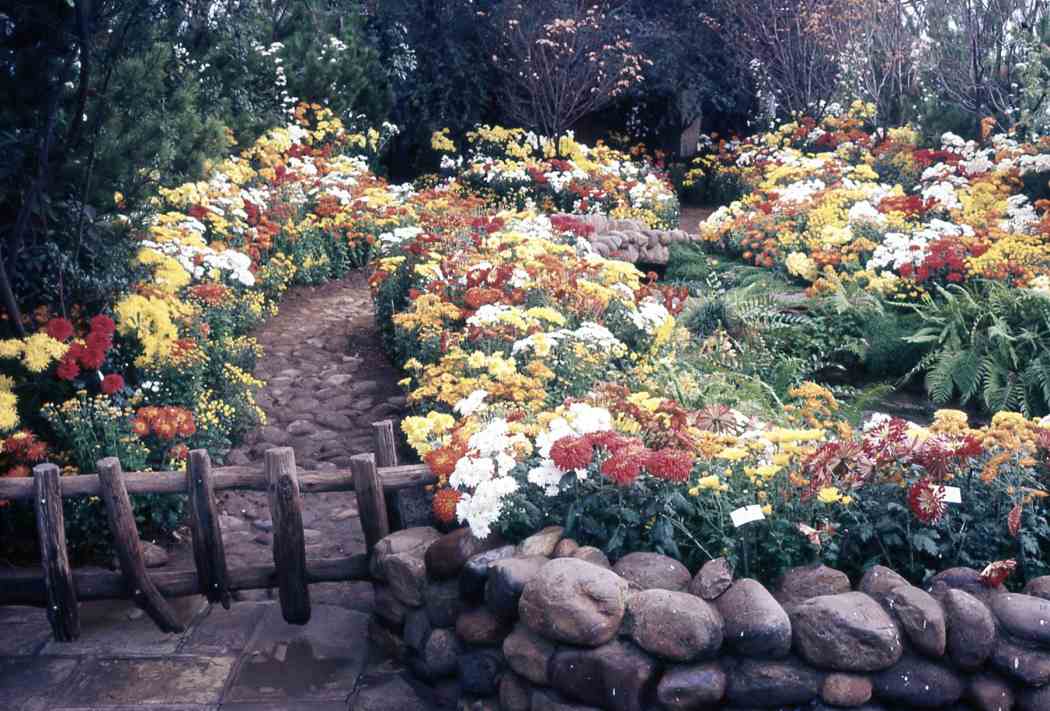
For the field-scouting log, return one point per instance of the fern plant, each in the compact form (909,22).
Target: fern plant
(989,344)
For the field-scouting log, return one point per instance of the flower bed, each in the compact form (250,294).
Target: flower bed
(169,367)
(548,624)
(554,387)
(513,168)
(838,201)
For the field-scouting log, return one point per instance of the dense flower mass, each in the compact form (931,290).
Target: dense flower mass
(514,168)
(833,201)
(551,387)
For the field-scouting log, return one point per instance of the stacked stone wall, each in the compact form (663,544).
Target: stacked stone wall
(631,240)
(548,625)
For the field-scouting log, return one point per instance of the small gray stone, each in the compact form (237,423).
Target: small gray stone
(1024,616)
(879,579)
(506,581)
(918,683)
(848,690)
(645,571)
(566,548)
(442,603)
(475,573)
(1038,587)
(713,579)
(809,581)
(481,626)
(755,623)
(299,428)
(685,687)
(514,693)
(440,654)
(615,676)
(592,555)
(528,654)
(541,543)
(479,671)
(990,692)
(971,634)
(763,682)
(1020,661)
(921,618)
(673,625)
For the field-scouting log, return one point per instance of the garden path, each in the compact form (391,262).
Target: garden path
(328,380)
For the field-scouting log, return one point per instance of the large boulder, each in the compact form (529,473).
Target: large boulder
(755,623)
(673,625)
(646,571)
(447,555)
(592,555)
(1024,617)
(764,683)
(616,676)
(714,578)
(921,618)
(506,580)
(918,683)
(570,600)
(847,632)
(398,560)
(809,581)
(529,654)
(971,634)
(690,686)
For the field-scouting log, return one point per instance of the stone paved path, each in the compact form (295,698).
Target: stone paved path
(328,380)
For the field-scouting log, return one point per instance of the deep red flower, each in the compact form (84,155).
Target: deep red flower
(103,324)
(624,466)
(572,452)
(611,441)
(112,383)
(926,500)
(994,574)
(670,464)
(59,328)
(68,368)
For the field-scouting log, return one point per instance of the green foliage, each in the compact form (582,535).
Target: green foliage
(987,344)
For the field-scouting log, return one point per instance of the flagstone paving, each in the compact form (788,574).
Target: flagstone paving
(327,381)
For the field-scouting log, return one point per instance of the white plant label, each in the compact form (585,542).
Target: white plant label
(952,494)
(746,514)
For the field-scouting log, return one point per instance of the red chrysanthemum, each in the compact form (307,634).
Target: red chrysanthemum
(624,467)
(444,505)
(112,383)
(103,324)
(994,574)
(68,368)
(926,501)
(670,464)
(572,452)
(610,441)
(59,328)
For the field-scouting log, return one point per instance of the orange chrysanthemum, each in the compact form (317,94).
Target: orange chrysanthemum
(444,505)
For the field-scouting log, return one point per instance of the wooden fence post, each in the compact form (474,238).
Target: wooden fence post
(385,443)
(209,555)
(370,502)
(289,540)
(129,548)
(62,611)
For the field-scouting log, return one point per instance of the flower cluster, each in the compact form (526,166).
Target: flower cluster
(514,168)
(833,201)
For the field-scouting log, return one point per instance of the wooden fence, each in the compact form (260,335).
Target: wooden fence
(60,588)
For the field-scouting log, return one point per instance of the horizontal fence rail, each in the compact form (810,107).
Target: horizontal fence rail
(59,588)
(239,477)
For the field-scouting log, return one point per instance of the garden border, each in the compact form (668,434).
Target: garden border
(372,476)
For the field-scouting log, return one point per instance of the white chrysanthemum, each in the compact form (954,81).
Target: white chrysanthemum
(471,404)
(482,508)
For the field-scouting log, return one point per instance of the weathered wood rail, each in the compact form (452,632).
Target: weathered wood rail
(59,587)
